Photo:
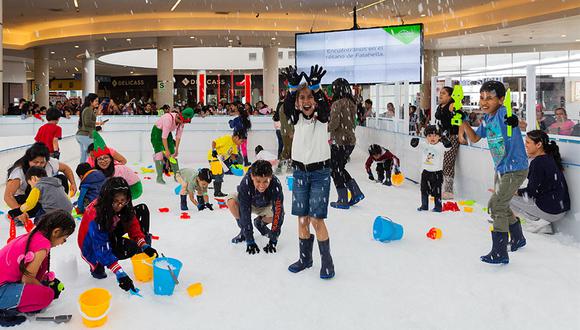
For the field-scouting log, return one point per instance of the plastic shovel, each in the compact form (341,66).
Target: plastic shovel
(56,319)
(135,292)
(171,272)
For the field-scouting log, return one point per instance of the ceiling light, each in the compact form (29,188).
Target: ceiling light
(175,5)
(131,72)
(481,45)
(77,46)
(128,39)
(76,3)
(563,36)
(368,6)
(230,40)
(52,52)
(577,40)
(76,69)
(273,38)
(192,37)
(423,15)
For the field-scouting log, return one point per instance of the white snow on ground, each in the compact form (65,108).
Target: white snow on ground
(415,283)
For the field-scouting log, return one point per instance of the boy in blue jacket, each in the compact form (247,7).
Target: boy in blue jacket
(511,168)
(259,192)
(91,182)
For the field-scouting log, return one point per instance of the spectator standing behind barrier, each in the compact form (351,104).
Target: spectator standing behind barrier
(545,199)
(87,124)
(563,125)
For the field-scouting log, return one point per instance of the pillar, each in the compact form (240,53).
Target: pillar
(270,76)
(531,98)
(248,88)
(165,71)
(89,79)
(430,70)
(41,76)
(201,87)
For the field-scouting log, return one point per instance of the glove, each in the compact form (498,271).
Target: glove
(56,286)
(371,176)
(291,74)
(148,250)
(414,142)
(513,120)
(397,170)
(201,206)
(15,213)
(214,153)
(209,206)
(56,154)
(270,247)
(125,281)
(252,248)
(446,142)
(316,74)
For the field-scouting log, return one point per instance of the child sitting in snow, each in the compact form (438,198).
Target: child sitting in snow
(385,160)
(262,154)
(91,182)
(432,164)
(46,191)
(194,182)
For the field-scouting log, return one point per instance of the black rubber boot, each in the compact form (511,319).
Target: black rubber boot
(517,236)
(356,194)
(246,162)
(240,237)
(342,202)
(424,203)
(327,269)
(261,226)
(99,272)
(10,318)
(438,207)
(498,253)
(183,202)
(217,189)
(305,260)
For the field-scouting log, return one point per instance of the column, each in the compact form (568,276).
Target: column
(531,98)
(201,87)
(164,71)
(430,69)
(270,77)
(89,80)
(248,88)
(41,78)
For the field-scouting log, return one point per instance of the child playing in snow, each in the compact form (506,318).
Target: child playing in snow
(26,282)
(385,160)
(50,133)
(194,182)
(262,154)
(511,166)
(46,191)
(224,148)
(259,192)
(432,164)
(91,182)
(308,110)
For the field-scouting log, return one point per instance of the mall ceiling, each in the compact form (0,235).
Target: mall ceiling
(104,26)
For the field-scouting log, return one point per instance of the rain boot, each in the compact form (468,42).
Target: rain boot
(327,269)
(10,318)
(438,207)
(99,272)
(217,189)
(240,237)
(261,226)
(183,202)
(342,202)
(174,168)
(305,260)
(159,170)
(355,191)
(424,202)
(517,236)
(246,162)
(498,253)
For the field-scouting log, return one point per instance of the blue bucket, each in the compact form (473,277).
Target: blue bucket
(290,182)
(384,230)
(177,190)
(237,171)
(163,283)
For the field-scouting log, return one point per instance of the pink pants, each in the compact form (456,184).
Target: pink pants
(244,148)
(35,298)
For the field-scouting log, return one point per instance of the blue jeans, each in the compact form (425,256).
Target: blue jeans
(84,141)
(310,192)
(10,294)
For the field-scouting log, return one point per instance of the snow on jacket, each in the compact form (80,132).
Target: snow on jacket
(95,243)
(90,188)
(249,196)
(342,122)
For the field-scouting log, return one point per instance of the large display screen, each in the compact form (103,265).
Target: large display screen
(364,56)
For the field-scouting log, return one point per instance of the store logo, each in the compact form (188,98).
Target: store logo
(114,83)
(185,81)
(405,34)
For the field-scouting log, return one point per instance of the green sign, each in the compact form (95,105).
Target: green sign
(405,34)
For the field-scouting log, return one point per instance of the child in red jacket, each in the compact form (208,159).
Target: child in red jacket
(50,133)
(385,160)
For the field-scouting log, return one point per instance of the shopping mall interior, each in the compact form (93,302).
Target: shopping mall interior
(169,80)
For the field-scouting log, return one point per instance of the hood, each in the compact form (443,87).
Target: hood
(94,176)
(49,182)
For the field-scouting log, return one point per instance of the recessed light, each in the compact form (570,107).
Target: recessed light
(563,36)
(76,69)
(577,40)
(77,46)
(131,72)
(192,37)
(273,38)
(52,52)
(481,45)
(128,39)
(230,40)
(423,15)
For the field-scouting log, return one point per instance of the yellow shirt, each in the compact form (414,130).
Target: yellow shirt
(224,146)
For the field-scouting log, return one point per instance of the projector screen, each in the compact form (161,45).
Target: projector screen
(364,56)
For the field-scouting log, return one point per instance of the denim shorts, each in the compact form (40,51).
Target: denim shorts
(10,294)
(310,193)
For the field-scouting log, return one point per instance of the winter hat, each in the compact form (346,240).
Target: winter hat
(187,114)
(99,146)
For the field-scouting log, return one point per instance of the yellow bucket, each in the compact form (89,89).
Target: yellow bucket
(94,306)
(143,267)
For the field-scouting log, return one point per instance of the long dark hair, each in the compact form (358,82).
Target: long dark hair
(38,149)
(245,117)
(110,170)
(88,101)
(550,147)
(341,89)
(57,219)
(104,204)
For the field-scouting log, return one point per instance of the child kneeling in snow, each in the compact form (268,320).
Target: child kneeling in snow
(262,154)
(432,164)
(194,182)
(26,282)
(385,160)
